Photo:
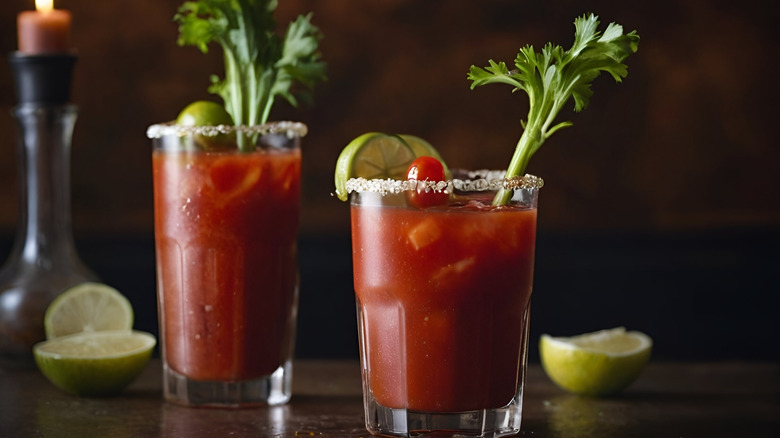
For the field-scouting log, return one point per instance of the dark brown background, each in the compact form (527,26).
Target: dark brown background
(660,209)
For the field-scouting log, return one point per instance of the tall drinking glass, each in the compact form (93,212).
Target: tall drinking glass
(226,226)
(443,298)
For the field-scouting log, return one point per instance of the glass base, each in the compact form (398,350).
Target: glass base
(494,422)
(271,390)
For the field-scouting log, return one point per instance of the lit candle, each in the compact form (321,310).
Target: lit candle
(45,30)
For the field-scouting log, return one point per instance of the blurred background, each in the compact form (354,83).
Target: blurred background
(660,210)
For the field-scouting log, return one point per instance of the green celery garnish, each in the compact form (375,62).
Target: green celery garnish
(550,78)
(259,66)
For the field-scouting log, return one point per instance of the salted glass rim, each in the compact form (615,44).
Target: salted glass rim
(288,128)
(465,181)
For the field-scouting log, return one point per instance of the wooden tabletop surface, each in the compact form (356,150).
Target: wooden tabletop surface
(669,400)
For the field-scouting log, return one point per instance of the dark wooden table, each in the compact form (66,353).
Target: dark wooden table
(670,400)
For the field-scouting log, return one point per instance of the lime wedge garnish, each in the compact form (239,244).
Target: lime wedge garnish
(596,364)
(87,307)
(371,156)
(207,113)
(204,113)
(94,363)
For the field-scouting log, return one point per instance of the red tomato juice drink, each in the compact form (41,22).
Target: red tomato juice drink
(443,298)
(226,225)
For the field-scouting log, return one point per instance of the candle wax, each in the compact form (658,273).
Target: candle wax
(44,32)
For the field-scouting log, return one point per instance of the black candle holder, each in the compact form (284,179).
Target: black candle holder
(42,79)
(43,261)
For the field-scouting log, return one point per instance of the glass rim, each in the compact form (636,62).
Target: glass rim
(464,181)
(288,128)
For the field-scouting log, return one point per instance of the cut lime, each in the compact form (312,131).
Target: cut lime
(207,113)
(372,155)
(422,148)
(87,307)
(204,113)
(596,364)
(94,363)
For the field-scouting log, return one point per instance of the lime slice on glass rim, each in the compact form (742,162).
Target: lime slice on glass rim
(87,307)
(595,364)
(204,113)
(94,363)
(373,155)
(207,113)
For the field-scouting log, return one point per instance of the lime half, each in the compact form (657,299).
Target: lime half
(372,155)
(207,113)
(87,307)
(204,113)
(596,364)
(94,363)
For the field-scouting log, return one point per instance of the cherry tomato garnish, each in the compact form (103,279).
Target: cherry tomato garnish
(426,169)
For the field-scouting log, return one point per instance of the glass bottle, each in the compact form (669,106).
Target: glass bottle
(43,261)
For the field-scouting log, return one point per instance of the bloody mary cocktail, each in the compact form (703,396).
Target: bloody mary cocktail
(226,227)
(443,295)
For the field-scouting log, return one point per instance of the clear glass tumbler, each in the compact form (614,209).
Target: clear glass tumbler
(443,296)
(226,225)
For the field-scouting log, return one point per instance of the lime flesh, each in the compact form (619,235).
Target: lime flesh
(376,155)
(595,364)
(94,364)
(370,156)
(87,307)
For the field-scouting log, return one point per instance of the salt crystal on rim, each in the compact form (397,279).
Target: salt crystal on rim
(466,181)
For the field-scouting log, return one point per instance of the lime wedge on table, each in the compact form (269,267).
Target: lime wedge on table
(94,363)
(87,307)
(372,155)
(596,364)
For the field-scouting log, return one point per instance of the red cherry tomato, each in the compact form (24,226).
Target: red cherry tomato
(426,169)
